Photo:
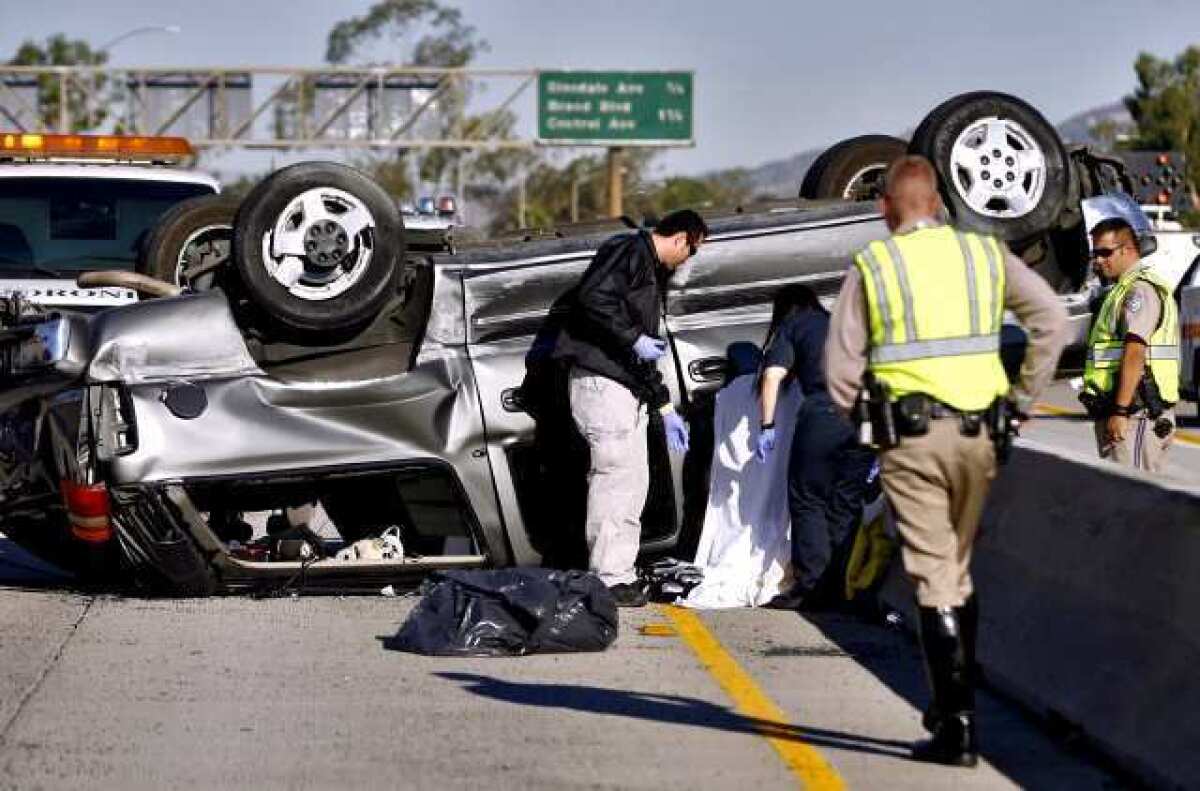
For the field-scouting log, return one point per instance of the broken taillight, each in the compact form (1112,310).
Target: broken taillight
(88,512)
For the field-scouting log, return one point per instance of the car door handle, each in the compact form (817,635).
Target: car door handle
(511,400)
(710,369)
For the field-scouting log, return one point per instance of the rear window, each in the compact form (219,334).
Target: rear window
(56,227)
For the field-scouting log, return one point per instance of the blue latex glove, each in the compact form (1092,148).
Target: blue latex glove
(765,443)
(649,349)
(676,431)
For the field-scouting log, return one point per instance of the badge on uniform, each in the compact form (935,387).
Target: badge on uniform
(1134,303)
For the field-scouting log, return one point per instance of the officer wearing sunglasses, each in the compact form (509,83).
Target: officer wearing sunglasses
(1131,378)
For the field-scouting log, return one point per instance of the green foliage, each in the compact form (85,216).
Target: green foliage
(441,38)
(392,174)
(552,191)
(86,104)
(1166,106)
(495,165)
(722,190)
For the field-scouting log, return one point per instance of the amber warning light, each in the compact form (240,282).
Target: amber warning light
(22,145)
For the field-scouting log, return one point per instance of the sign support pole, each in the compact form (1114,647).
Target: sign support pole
(615,182)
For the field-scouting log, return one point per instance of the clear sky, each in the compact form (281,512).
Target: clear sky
(772,77)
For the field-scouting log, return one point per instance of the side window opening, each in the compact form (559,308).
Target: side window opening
(421,502)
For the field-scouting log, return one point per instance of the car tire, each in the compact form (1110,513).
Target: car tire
(197,233)
(852,169)
(1016,195)
(319,249)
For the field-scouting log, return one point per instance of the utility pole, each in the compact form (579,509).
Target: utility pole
(616,159)
(574,196)
(521,202)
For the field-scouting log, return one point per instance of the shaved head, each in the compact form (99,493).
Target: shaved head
(910,191)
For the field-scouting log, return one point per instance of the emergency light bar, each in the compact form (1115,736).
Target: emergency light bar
(22,145)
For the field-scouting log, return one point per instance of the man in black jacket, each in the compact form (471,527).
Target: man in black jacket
(611,342)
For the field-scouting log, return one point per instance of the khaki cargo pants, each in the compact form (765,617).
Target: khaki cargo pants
(1141,449)
(614,424)
(937,485)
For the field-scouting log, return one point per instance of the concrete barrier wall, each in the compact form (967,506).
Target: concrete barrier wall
(1089,586)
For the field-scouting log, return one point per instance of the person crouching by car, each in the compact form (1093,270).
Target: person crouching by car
(827,470)
(611,342)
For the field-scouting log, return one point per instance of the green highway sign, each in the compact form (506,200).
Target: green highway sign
(615,108)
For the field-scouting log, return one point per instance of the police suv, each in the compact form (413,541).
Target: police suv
(76,203)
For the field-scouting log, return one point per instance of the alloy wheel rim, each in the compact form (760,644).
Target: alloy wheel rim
(998,168)
(320,245)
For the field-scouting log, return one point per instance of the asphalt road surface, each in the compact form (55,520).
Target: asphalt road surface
(1061,422)
(300,693)
(108,692)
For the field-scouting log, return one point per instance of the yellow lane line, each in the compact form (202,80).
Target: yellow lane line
(813,771)
(1057,411)
(1187,437)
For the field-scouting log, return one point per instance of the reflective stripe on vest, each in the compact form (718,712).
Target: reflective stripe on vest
(1113,354)
(935,302)
(945,347)
(1106,346)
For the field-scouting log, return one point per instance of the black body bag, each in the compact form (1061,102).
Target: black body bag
(509,612)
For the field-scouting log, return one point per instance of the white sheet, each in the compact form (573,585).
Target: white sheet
(745,543)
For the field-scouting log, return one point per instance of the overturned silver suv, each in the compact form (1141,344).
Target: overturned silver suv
(349,404)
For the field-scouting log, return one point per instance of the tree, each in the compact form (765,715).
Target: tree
(439,36)
(577,190)
(86,112)
(722,190)
(435,36)
(1166,106)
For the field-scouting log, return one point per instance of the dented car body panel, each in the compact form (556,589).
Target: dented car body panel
(175,427)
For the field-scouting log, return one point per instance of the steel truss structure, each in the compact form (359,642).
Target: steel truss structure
(275,108)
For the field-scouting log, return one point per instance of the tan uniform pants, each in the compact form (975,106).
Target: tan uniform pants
(614,425)
(1141,449)
(937,485)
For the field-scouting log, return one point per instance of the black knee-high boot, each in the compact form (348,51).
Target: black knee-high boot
(952,715)
(968,626)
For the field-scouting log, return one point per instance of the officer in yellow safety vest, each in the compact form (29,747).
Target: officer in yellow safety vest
(920,314)
(1131,378)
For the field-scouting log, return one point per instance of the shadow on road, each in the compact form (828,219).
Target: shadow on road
(1014,742)
(671,709)
(19,568)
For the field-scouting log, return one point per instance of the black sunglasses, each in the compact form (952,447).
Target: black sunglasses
(1106,252)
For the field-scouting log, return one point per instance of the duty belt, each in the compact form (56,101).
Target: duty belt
(939,410)
(914,411)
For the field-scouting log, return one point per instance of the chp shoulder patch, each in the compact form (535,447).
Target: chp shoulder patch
(1134,303)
